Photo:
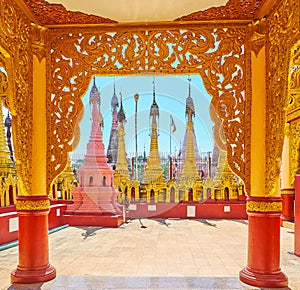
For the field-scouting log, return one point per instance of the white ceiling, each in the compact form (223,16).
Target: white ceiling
(139,10)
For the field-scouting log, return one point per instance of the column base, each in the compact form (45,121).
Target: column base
(287,196)
(274,280)
(24,276)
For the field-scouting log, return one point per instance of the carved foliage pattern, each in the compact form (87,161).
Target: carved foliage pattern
(283,32)
(15,40)
(216,53)
(234,9)
(57,14)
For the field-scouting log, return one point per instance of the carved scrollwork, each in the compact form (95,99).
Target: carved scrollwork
(15,40)
(261,206)
(234,9)
(57,14)
(217,54)
(283,33)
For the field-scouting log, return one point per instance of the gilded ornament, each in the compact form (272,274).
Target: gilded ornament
(38,34)
(257,38)
(32,204)
(262,206)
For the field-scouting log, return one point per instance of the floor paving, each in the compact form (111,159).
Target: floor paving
(152,254)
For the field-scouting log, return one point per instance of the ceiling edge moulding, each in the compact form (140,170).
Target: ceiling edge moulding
(57,14)
(233,10)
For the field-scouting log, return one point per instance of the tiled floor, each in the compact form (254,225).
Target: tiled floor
(152,254)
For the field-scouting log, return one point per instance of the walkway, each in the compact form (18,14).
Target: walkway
(152,254)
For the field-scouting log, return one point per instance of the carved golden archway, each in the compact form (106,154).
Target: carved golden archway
(282,34)
(16,59)
(293,112)
(217,53)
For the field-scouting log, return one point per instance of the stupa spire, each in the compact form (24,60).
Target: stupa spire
(153,169)
(112,149)
(189,171)
(121,165)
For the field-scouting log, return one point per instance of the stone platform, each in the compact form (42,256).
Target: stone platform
(152,254)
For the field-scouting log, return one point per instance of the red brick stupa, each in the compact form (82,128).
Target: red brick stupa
(95,201)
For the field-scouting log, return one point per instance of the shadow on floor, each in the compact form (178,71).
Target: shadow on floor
(89,231)
(163,222)
(206,222)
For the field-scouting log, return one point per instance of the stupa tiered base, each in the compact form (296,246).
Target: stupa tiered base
(94,206)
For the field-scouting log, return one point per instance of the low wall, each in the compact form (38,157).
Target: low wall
(188,210)
(193,210)
(9,220)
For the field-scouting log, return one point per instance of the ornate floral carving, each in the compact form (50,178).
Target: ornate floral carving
(262,206)
(217,54)
(22,205)
(283,33)
(234,9)
(49,14)
(15,40)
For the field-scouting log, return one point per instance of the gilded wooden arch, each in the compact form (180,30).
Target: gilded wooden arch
(216,53)
(293,111)
(282,34)
(16,59)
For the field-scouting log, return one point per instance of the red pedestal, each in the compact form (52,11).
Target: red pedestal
(33,264)
(288,205)
(297,216)
(263,269)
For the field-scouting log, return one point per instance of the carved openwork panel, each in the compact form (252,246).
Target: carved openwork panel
(15,52)
(283,33)
(217,54)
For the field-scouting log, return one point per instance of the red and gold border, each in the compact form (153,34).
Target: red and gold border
(264,204)
(32,203)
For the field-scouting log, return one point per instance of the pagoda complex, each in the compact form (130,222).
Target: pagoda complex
(154,183)
(95,200)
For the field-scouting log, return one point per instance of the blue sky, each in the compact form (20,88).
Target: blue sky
(171,93)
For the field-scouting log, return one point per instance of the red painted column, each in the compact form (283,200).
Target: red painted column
(287,196)
(34,266)
(263,269)
(297,216)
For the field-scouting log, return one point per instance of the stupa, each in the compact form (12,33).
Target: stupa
(95,200)
(154,183)
(190,182)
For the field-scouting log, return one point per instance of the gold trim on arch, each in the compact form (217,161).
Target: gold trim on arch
(215,52)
